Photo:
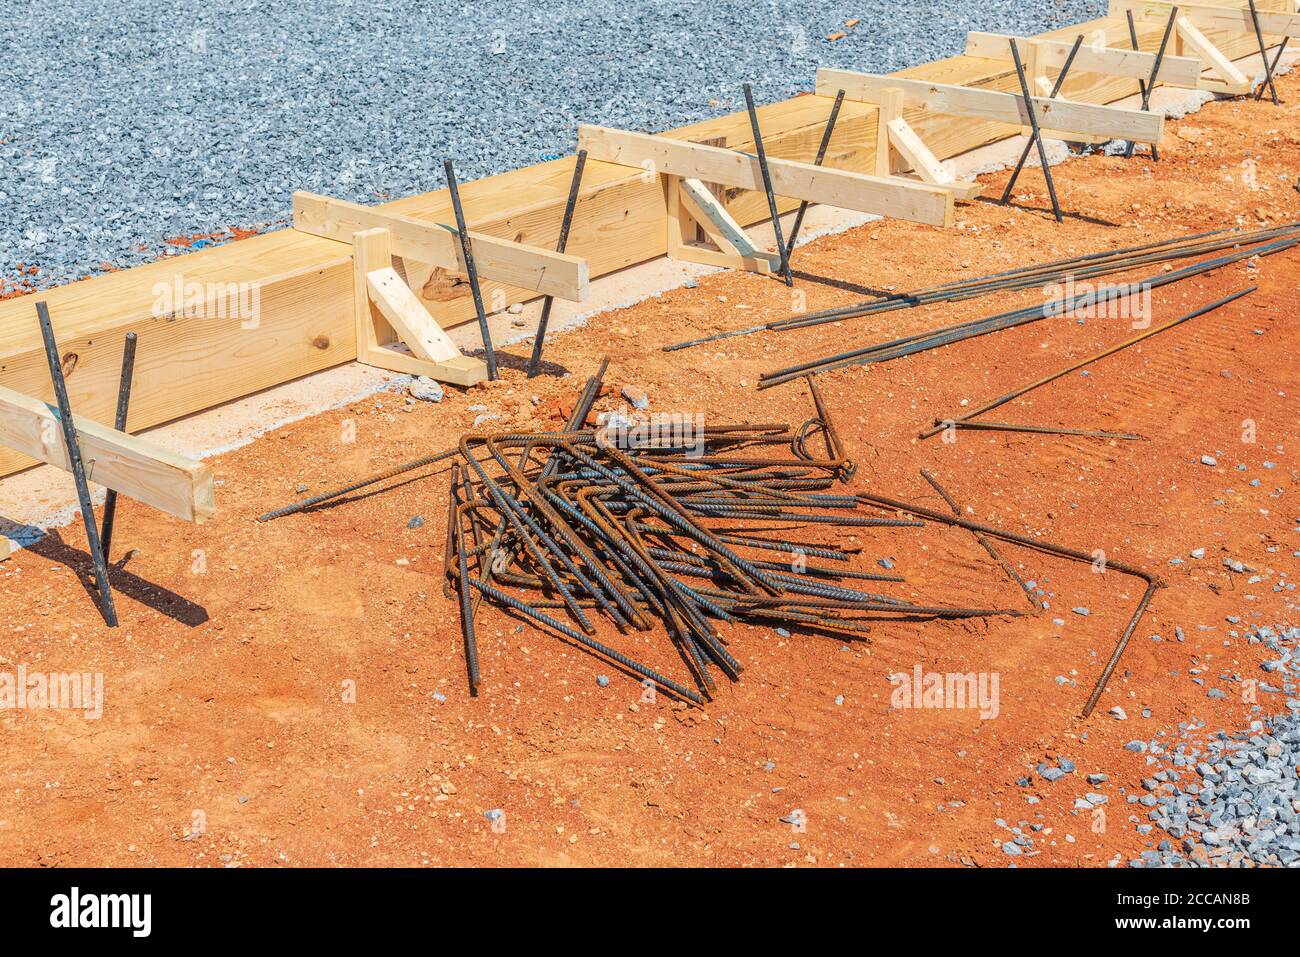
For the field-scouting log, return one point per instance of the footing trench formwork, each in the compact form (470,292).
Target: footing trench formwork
(379,285)
(303,280)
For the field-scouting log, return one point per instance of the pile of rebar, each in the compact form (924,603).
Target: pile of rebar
(675,528)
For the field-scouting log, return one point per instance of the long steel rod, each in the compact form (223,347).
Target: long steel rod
(1263,52)
(536,360)
(821,156)
(1052,377)
(1038,133)
(1149,86)
(947,335)
(767,185)
(985,542)
(1045,430)
(119,423)
(1043,546)
(1008,280)
(77,467)
(471,273)
(1056,88)
(1277,58)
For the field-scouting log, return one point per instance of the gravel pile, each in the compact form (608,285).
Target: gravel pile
(1233,800)
(130,123)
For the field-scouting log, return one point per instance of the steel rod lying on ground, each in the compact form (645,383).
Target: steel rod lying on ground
(1062,551)
(625,522)
(1091,265)
(942,424)
(946,335)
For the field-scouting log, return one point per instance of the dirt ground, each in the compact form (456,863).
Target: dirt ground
(294,693)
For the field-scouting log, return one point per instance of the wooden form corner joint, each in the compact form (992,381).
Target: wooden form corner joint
(700,230)
(387,313)
(895,135)
(1223,75)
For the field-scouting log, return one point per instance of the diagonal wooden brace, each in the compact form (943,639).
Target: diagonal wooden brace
(692,204)
(896,134)
(1224,76)
(387,311)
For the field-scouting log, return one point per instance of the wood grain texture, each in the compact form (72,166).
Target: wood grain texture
(132,466)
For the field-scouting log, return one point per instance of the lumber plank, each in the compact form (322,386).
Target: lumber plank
(847,190)
(1065,115)
(904,139)
(1277,23)
(132,466)
(1181,71)
(517,264)
(461,370)
(371,249)
(1223,68)
(413,324)
(716,221)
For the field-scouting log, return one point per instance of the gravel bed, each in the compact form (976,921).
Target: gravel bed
(127,124)
(1232,800)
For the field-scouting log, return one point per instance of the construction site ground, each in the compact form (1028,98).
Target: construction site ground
(294,693)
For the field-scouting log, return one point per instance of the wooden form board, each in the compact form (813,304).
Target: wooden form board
(134,467)
(1272,23)
(186,364)
(526,267)
(842,188)
(1062,115)
(1180,71)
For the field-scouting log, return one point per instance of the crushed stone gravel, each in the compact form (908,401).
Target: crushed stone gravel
(129,123)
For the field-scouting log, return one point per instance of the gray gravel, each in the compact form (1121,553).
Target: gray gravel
(129,123)
(1233,800)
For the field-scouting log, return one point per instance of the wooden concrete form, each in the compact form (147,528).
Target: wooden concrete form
(846,189)
(306,316)
(1183,71)
(132,466)
(388,312)
(1059,114)
(527,267)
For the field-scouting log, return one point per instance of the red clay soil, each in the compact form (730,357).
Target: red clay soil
(229,735)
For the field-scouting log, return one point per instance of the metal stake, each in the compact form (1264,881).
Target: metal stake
(1263,53)
(78,468)
(821,155)
(470,272)
(1038,135)
(119,423)
(1056,88)
(536,359)
(1277,58)
(1149,87)
(767,185)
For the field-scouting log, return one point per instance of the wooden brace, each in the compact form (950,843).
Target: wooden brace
(387,311)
